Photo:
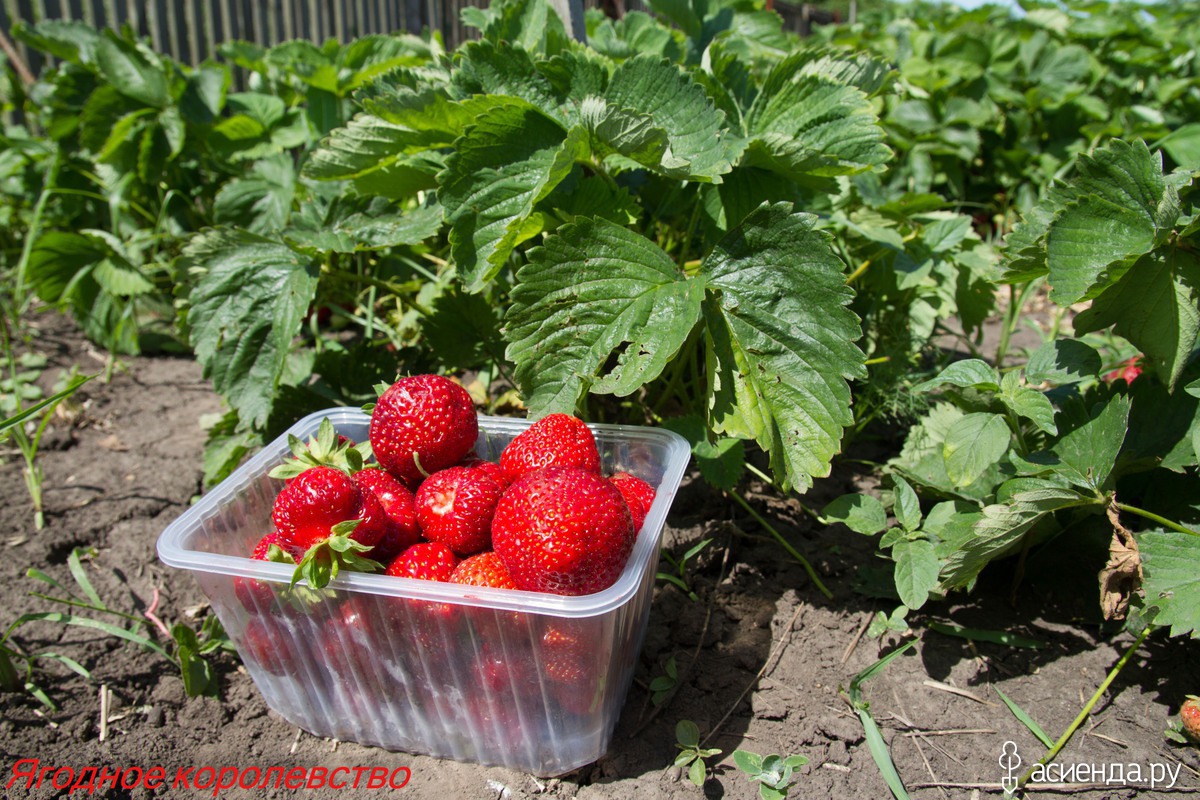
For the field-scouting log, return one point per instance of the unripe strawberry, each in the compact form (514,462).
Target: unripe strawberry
(422,424)
(563,530)
(556,440)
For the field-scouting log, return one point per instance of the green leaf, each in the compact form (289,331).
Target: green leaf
(366,144)
(487,68)
(428,110)
(261,202)
(747,762)
(781,342)
(1121,208)
(94,624)
(907,506)
(512,157)
(971,373)
(1086,454)
(1156,306)
(1183,145)
(721,462)
(627,132)
(125,67)
(1001,530)
(1025,719)
(375,226)
(697,772)
(978,635)
(701,148)
(71,41)
(26,413)
(817,126)
(593,290)
(687,733)
(1171,580)
(973,444)
(916,572)
(1063,361)
(861,513)
(244,310)
(1028,403)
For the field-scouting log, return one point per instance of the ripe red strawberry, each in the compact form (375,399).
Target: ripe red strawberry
(506,672)
(556,440)
(573,665)
(1127,371)
(306,510)
(1189,715)
(455,507)
(266,643)
(422,424)
(397,501)
(427,561)
(484,569)
(255,595)
(563,530)
(324,511)
(489,468)
(638,494)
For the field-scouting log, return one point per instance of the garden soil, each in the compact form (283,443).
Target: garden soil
(763,657)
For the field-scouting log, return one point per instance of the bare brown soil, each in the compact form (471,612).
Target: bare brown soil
(762,654)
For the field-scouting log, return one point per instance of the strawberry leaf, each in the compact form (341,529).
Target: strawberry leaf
(1172,584)
(244,311)
(366,144)
(700,146)
(512,157)
(595,289)
(781,342)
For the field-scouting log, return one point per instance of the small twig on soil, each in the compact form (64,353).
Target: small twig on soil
(835,767)
(945,687)
(149,614)
(296,741)
(770,664)
(50,722)
(951,732)
(1092,732)
(920,735)
(917,742)
(103,712)
(862,629)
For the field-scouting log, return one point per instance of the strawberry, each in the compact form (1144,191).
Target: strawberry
(258,595)
(483,569)
(1127,371)
(323,511)
(556,440)
(268,645)
(455,507)
(427,561)
(573,666)
(489,468)
(638,494)
(397,502)
(563,530)
(1189,716)
(505,673)
(422,424)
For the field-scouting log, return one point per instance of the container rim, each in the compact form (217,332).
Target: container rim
(176,549)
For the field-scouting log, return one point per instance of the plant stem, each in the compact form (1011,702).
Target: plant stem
(1087,709)
(812,573)
(19,294)
(1150,515)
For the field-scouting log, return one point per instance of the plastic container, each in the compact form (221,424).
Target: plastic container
(525,680)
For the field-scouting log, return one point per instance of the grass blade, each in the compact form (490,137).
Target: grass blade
(1025,719)
(980,635)
(879,752)
(25,414)
(34,572)
(81,578)
(69,663)
(879,666)
(95,624)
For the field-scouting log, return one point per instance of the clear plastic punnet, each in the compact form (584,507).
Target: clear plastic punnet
(530,681)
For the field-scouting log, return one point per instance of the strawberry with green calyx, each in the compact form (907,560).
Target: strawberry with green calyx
(455,507)
(563,530)
(255,595)
(323,511)
(1189,718)
(326,449)
(555,440)
(421,424)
